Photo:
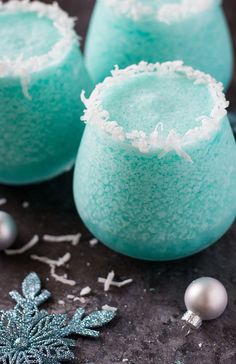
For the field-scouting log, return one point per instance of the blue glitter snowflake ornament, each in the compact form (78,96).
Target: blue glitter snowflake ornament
(32,336)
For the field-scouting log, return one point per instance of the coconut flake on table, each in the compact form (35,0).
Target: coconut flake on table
(62,279)
(75,298)
(74,239)
(110,282)
(70,296)
(25,204)
(3,201)
(109,308)
(53,264)
(85,291)
(61,302)
(80,299)
(58,263)
(93,242)
(24,248)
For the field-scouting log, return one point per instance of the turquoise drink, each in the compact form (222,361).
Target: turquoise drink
(41,77)
(125,32)
(151,179)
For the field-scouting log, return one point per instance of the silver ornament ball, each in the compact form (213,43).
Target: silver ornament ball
(206,299)
(8,230)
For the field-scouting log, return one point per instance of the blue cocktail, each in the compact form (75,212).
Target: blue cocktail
(125,32)
(41,77)
(151,178)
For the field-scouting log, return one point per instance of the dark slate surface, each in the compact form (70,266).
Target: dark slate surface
(147,330)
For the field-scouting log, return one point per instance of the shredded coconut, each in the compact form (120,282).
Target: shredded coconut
(45,260)
(73,239)
(58,263)
(94,113)
(109,308)
(3,201)
(169,13)
(53,264)
(25,204)
(65,27)
(62,279)
(24,248)
(25,81)
(124,283)
(61,21)
(132,8)
(107,282)
(76,239)
(85,291)
(70,296)
(61,302)
(80,299)
(166,13)
(93,242)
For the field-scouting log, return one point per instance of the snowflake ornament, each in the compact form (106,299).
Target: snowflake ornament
(32,336)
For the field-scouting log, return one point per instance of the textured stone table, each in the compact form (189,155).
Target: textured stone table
(145,331)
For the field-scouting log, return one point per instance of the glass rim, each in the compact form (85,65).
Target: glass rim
(95,114)
(167,13)
(62,22)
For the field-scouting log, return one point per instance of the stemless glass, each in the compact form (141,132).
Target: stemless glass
(164,192)
(42,74)
(125,32)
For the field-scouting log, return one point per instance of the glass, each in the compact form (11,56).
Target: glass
(41,77)
(161,191)
(125,32)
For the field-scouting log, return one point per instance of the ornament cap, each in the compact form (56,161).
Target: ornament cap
(192,319)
